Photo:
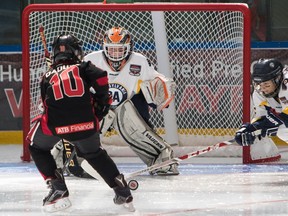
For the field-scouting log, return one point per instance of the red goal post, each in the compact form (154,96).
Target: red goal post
(205,47)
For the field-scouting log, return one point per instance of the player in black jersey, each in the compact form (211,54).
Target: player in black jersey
(72,113)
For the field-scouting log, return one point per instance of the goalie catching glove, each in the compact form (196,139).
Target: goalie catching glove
(268,125)
(159,91)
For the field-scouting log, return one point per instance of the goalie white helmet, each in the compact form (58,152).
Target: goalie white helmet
(117,46)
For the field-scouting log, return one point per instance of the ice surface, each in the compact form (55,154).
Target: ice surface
(206,186)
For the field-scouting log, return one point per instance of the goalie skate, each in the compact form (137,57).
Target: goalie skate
(166,154)
(57,198)
(166,171)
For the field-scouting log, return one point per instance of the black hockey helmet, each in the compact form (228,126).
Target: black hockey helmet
(66,49)
(268,69)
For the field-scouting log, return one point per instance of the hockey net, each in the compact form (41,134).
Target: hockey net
(209,58)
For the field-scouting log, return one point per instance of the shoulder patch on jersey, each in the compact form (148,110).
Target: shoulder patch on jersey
(135,70)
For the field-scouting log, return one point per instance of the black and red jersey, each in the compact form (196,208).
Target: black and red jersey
(68,102)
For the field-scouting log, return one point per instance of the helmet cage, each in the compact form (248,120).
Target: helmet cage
(116,52)
(117,44)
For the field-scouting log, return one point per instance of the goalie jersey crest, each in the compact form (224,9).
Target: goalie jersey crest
(119,94)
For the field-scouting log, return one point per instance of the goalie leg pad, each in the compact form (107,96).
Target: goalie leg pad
(148,145)
(264,148)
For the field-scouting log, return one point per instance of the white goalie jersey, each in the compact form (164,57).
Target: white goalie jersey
(136,74)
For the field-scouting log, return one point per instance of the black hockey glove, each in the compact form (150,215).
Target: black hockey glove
(270,123)
(102,109)
(245,136)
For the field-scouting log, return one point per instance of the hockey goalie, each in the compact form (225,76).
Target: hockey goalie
(135,87)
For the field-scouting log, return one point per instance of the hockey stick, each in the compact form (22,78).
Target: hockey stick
(186,156)
(46,52)
(133,184)
(180,158)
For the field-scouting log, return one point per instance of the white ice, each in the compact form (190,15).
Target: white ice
(206,186)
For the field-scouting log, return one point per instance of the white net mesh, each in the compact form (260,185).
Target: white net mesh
(206,60)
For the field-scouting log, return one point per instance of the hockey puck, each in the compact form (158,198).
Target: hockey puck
(133,184)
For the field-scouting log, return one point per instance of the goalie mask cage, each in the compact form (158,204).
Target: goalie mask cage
(204,47)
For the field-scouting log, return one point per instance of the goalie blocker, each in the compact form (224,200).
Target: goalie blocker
(148,145)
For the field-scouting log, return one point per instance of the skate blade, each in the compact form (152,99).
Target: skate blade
(167,174)
(59,205)
(129,206)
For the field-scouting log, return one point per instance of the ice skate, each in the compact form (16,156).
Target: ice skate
(171,169)
(123,194)
(57,199)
